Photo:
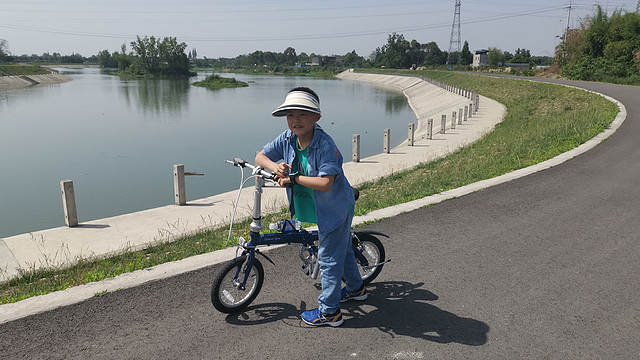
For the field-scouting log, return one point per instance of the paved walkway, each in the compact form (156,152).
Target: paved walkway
(63,246)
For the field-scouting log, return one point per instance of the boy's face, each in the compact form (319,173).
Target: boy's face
(301,122)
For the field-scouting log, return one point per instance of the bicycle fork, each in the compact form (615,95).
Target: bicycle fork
(243,272)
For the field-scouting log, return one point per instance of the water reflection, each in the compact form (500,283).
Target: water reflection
(133,131)
(395,103)
(157,98)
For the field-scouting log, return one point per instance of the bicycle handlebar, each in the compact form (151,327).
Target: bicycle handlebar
(256,169)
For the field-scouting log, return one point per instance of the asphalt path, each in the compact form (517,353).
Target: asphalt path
(545,266)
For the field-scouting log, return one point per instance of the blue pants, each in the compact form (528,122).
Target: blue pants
(336,259)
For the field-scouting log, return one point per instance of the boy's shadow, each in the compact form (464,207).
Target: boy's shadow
(400,308)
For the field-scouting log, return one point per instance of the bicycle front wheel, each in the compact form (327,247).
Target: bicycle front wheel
(227,295)
(371,248)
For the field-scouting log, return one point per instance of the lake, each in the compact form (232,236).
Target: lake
(119,139)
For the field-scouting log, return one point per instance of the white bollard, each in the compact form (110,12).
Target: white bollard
(443,124)
(386,148)
(355,148)
(412,130)
(460,116)
(453,120)
(430,129)
(179,185)
(69,203)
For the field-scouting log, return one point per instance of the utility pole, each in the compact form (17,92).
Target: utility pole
(454,42)
(568,18)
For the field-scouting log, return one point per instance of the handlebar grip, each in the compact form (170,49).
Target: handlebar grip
(243,164)
(239,162)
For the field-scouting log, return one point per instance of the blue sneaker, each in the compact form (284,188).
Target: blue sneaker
(317,318)
(359,294)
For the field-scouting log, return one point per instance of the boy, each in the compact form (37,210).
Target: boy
(321,195)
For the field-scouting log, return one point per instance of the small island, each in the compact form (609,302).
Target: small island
(215,82)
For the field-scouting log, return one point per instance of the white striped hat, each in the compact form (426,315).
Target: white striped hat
(298,100)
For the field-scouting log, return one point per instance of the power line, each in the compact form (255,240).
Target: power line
(299,36)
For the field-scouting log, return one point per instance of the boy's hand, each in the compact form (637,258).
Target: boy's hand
(285,182)
(281,171)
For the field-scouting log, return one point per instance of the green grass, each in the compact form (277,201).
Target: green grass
(215,82)
(542,121)
(26,69)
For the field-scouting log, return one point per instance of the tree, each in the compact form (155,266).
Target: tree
(4,49)
(433,55)
(466,57)
(154,57)
(605,48)
(353,60)
(522,56)
(394,53)
(124,60)
(106,60)
(290,57)
(415,53)
(495,57)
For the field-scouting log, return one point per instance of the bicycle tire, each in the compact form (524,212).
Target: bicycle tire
(373,250)
(226,297)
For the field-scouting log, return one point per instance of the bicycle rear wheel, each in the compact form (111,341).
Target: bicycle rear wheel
(226,294)
(371,248)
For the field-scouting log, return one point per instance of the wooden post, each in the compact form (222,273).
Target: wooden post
(387,141)
(69,203)
(411,134)
(453,120)
(430,129)
(178,185)
(443,124)
(355,148)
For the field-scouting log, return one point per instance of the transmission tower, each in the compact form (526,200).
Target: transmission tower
(454,42)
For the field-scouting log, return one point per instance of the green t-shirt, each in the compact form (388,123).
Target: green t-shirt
(303,200)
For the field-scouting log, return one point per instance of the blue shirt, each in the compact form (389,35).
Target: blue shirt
(333,206)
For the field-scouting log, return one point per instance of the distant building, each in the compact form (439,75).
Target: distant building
(316,61)
(480,58)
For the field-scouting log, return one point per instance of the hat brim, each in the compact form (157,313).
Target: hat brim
(282,110)
(298,100)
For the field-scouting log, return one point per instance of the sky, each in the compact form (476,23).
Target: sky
(228,28)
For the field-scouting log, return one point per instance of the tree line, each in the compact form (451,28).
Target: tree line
(604,48)
(149,56)
(167,56)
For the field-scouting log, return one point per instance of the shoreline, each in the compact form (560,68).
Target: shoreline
(19,82)
(138,230)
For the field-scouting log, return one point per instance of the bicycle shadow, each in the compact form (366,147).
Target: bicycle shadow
(264,313)
(400,309)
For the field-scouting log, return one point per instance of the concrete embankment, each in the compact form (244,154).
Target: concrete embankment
(16,82)
(63,246)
